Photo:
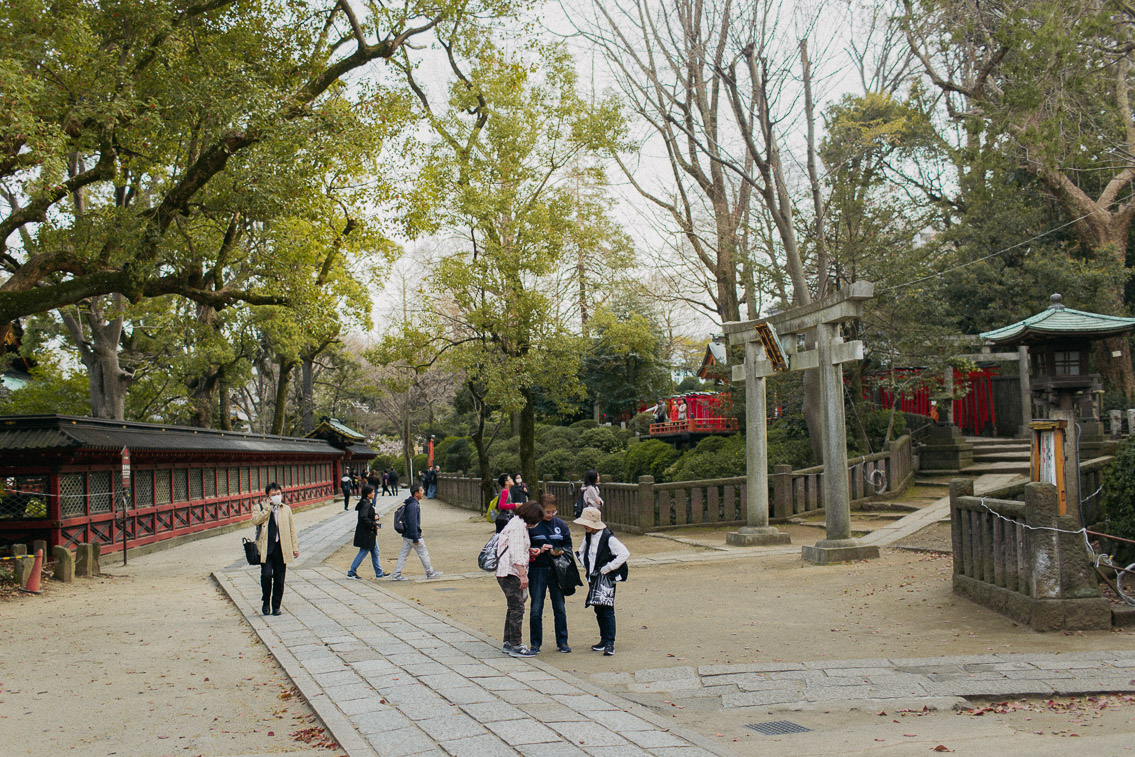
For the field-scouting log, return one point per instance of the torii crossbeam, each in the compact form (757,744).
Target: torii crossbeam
(830,353)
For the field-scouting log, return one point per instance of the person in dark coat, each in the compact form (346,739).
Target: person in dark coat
(394,482)
(346,487)
(366,534)
(519,491)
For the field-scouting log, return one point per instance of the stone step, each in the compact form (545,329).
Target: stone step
(1013,456)
(1012,467)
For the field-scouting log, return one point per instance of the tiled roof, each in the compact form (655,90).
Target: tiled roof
(24,432)
(1058,320)
(338,428)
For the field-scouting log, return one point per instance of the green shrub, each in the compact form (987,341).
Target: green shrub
(713,457)
(876,424)
(601,438)
(559,437)
(419,462)
(1117,500)
(641,423)
(789,443)
(613,467)
(586,423)
(587,459)
(557,464)
(459,456)
(650,458)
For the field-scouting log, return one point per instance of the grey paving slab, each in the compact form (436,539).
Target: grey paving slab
(388,678)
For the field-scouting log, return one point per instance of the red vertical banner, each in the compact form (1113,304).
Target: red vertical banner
(430,460)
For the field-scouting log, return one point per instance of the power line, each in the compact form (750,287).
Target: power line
(1010,248)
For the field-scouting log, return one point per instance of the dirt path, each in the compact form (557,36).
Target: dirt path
(148,660)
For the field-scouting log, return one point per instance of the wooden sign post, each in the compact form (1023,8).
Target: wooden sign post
(830,353)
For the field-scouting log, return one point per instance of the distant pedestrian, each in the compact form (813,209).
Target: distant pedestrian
(373,480)
(346,486)
(431,482)
(604,560)
(386,482)
(394,482)
(660,412)
(505,505)
(366,534)
(412,537)
(518,494)
(682,410)
(591,496)
(277,544)
(512,574)
(550,538)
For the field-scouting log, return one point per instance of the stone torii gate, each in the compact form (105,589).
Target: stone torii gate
(761,361)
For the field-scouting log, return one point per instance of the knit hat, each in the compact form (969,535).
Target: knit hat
(591,518)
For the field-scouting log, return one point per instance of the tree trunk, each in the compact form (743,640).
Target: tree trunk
(224,403)
(407,451)
(308,395)
(478,437)
(106,379)
(281,408)
(528,442)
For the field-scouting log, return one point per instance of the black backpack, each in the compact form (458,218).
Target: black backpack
(400,520)
(579,505)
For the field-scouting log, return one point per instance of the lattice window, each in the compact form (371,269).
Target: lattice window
(180,485)
(245,486)
(234,480)
(73,493)
(195,483)
(144,488)
(307,474)
(210,476)
(23,497)
(100,491)
(295,477)
(264,478)
(222,482)
(162,490)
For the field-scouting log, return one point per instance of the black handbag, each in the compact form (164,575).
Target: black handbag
(251,552)
(567,574)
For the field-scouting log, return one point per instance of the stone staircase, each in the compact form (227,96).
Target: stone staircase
(998,456)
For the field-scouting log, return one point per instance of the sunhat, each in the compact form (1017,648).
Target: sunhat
(591,518)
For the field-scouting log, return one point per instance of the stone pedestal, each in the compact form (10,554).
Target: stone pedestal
(24,567)
(87,559)
(64,564)
(828,551)
(757,537)
(40,545)
(19,550)
(945,449)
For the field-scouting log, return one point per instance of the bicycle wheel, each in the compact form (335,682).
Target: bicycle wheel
(1125,583)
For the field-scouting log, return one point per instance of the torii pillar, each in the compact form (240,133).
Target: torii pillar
(823,318)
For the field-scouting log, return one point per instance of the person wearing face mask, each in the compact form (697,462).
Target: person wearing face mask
(276,540)
(518,494)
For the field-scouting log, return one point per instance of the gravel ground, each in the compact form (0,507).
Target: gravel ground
(150,659)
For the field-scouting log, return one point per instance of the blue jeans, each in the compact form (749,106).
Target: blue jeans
(541,577)
(432,492)
(606,618)
(363,552)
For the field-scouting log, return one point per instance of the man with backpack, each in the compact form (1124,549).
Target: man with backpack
(347,487)
(408,523)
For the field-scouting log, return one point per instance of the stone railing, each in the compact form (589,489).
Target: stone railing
(797,492)
(1024,560)
(647,506)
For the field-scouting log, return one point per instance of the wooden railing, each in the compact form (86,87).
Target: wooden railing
(646,505)
(884,474)
(725,425)
(1024,560)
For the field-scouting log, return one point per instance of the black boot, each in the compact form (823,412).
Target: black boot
(265,610)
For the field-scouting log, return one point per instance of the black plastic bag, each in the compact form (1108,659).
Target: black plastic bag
(567,574)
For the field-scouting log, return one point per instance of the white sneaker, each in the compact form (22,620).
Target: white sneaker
(435,574)
(399,577)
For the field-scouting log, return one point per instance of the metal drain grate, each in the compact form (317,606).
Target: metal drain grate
(777,728)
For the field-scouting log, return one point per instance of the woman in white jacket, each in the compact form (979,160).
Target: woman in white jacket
(513,553)
(602,557)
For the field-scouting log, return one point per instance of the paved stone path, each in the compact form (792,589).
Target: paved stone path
(932,513)
(792,683)
(390,678)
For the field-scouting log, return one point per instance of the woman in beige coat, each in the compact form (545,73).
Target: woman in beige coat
(276,540)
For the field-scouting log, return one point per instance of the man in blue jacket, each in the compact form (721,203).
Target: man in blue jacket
(412,536)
